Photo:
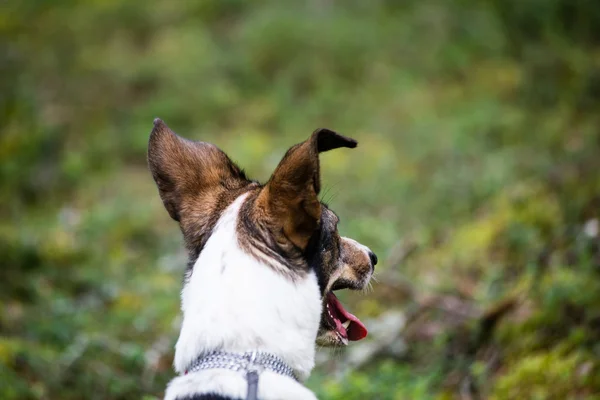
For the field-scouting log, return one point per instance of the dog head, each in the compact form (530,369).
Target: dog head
(281,223)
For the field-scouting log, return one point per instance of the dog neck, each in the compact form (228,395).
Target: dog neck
(234,303)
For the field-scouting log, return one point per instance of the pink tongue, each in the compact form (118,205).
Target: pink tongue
(356,330)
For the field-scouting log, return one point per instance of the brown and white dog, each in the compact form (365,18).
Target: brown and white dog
(264,260)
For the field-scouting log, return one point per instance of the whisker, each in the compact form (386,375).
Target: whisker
(333,196)
(368,288)
(332,193)
(337,353)
(326,191)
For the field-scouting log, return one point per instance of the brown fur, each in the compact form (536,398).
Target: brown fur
(196,182)
(291,195)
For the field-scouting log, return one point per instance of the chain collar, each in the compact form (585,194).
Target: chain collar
(243,362)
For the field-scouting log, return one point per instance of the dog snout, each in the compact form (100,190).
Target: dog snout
(358,262)
(373,258)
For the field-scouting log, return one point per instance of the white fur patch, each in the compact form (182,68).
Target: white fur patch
(234,303)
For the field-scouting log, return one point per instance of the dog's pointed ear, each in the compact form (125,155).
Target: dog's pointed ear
(190,175)
(291,195)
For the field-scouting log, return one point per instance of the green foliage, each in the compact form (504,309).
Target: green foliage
(388,380)
(550,375)
(478,131)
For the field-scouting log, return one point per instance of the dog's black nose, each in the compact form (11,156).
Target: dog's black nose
(373,258)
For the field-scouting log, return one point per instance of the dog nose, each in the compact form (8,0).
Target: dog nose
(373,258)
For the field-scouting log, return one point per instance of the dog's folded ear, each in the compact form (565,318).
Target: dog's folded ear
(291,195)
(190,175)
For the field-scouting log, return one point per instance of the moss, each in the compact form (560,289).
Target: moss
(548,375)
(493,251)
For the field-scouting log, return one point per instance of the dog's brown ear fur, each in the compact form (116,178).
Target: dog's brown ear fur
(291,195)
(196,180)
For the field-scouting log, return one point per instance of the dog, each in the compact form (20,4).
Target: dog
(264,261)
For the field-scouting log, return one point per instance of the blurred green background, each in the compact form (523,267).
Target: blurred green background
(476,181)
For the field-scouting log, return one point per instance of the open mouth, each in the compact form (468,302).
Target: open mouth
(346,325)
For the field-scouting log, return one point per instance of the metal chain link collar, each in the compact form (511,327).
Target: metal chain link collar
(245,362)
